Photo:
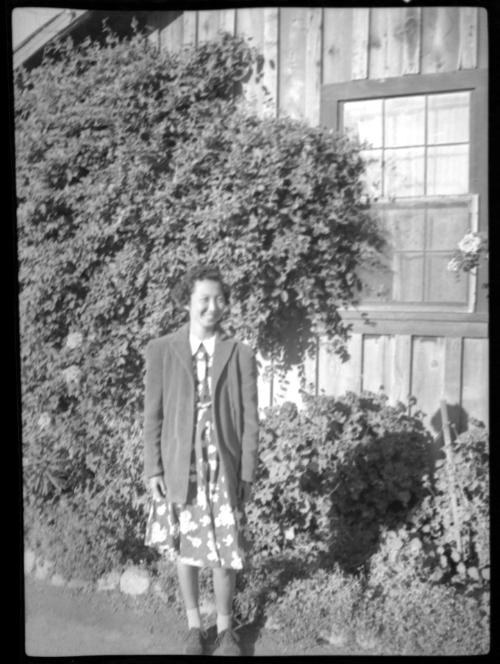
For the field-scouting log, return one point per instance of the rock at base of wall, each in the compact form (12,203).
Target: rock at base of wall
(134,581)
(78,584)
(29,561)
(58,580)
(43,569)
(109,581)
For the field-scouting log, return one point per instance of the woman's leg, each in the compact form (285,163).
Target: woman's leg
(224,586)
(188,582)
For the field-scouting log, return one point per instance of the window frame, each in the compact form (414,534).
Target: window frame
(476,81)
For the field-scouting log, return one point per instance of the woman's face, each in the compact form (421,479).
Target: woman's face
(206,305)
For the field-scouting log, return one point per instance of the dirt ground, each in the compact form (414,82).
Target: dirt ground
(65,622)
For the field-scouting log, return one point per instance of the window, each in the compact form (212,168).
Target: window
(419,143)
(426,159)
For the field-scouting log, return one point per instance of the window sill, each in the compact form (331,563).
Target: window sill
(422,323)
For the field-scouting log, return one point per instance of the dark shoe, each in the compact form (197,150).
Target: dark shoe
(227,644)
(194,642)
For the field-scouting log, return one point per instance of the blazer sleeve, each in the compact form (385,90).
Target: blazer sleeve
(250,437)
(153,410)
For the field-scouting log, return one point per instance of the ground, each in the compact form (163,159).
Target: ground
(65,622)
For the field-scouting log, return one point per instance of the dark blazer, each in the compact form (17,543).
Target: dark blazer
(169,411)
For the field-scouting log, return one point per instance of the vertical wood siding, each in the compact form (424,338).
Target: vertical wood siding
(428,368)
(304,48)
(261,27)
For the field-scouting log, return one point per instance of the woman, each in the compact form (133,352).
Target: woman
(200,448)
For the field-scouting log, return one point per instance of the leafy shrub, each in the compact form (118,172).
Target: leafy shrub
(132,164)
(469,563)
(330,477)
(403,614)
(318,606)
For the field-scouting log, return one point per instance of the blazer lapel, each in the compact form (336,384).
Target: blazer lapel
(180,343)
(222,352)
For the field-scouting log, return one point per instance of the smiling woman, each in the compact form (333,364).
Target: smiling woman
(201,428)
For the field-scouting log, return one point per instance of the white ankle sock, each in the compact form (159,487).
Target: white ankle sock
(223,622)
(193,618)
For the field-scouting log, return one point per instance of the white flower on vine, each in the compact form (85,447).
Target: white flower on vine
(470,243)
(44,420)
(74,340)
(454,265)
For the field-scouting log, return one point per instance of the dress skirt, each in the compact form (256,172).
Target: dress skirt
(205,531)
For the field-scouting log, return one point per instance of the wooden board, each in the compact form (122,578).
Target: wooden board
(260,26)
(336,377)
(171,31)
(287,388)
(292,39)
(263,383)
(312,90)
(428,371)
(300,63)
(453,371)
(394,41)
(211,22)
(345,44)
(475,389)
(450,40)
(153,26)
(482,37)
(468,38)
(378,354)
(401,369)
(189,28)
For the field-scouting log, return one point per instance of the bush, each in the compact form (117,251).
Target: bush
(131,165)
(402,614)
(318,607)
(466,563)
(330,477)
(405,616)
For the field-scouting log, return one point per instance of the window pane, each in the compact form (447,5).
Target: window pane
(443,285)
(446,226)
(373,173)
(406,229)
(365,119)
(448,170)
(405,121)
(404,172)
(448,118)
(408,277)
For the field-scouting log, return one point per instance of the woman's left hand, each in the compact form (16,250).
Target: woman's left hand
(244,491)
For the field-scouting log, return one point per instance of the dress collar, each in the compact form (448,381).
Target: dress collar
(209,344)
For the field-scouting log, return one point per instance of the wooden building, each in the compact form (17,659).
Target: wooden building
(412,82)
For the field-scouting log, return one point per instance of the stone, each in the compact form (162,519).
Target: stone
(43,569)
(338,638)
(58,580)
(109,581)
(78,584)
(134,581)
(29,561)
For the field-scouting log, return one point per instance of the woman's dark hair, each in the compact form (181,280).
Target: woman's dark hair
(182,291)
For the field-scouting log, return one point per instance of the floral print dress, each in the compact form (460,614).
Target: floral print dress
(206,531)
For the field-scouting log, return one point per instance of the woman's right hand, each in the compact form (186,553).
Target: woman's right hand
(157,487)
